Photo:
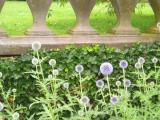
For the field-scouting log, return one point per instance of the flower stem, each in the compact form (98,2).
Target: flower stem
(80,81)
(109,89)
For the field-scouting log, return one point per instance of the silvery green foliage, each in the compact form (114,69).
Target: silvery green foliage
(8,109)
(116,101)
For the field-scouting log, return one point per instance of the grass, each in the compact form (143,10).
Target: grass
(16,18)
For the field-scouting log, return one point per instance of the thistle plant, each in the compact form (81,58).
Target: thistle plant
(59,99)
(49,87)
(8,109)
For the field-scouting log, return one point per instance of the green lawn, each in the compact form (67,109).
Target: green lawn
(16,18)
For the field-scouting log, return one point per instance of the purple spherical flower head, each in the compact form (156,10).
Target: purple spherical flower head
(36,46)
(118,83)
(152,83)
(79,68)
(141,60)
(15,116)
(154,60)
(106,68)
(84,100)
(66,85)
(100,83)
(127,83)
(114,100)
(138,65)
(123,64)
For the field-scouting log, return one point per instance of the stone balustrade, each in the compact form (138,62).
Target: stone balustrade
(83,29)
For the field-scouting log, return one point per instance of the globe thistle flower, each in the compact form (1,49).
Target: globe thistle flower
(117,50)
(123,64)
(81,113)
(114,100)
(14,90)
(138,65)
(141,60)
(55,72)
(50,76)
(1,74)
(1,106)
(15,116)
(52,62)
(84,100)
(79,68)
(100,83)
(152,83)
(66,85)
(118,83)
(106,68)
(36,46)
(127,83)
(35,61)
(154,60)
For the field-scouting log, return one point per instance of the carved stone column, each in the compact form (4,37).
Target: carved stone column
(39,9)
(123,10)
(155,4)
(83,9)
(2,33)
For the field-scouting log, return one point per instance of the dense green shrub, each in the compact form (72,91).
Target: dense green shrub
(14,69)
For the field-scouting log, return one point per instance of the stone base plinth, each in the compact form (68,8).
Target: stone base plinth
(18,45)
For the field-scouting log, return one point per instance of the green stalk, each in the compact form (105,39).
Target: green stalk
(109,89)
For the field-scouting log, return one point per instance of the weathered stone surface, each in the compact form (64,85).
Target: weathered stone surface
(19,45)
(83,9)
(155,4)
(39,9)
(2,32)
(123,10)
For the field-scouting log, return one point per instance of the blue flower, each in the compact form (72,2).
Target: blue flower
(138,65)
(52,62)
(114,100)
(36,46)
(118,83)
(79,68)
(84,100)
(100,83)
(66,85)
(155,60)
(141,60)
(123,64)
(106,68)
(15,116)
(127,83)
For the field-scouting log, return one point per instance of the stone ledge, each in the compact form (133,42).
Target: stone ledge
(10,46)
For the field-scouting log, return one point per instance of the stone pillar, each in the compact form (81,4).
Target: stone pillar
(83,9)
(155,4)
(123,10)
(2,33)
(39,10)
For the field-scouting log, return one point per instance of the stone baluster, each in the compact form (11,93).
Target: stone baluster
(39,10)
(2,33)
(123,10)
(83,9)
(155,4)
